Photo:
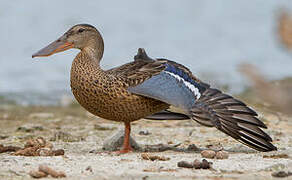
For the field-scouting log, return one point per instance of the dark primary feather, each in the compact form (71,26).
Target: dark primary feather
(232,117)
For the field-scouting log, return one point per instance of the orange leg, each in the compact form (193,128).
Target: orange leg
(126,145)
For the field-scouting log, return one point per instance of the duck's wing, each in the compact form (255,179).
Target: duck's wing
(137,71)
(174,84)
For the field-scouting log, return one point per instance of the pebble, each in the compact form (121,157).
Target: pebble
(8,148)
(222,155)
(185,164)
(147,156)
(59,152)
(37,174)
(281,174)
(89,168)
(205,164)
(49,171)
(144,133)
(38,147)
(197,164)
(208,154)
(114,142)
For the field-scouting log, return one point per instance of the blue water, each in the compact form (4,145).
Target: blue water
(210,37)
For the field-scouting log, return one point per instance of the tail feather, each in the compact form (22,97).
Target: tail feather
(223,109)
(232,117)
(250,140)
(243,118)
(254,130)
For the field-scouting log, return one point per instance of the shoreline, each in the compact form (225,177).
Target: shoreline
(81,135)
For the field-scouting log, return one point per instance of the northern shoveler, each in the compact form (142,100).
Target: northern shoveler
(145,87)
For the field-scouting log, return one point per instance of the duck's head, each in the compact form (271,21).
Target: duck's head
(79,36)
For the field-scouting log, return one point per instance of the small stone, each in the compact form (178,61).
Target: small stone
(147,156)
(58,152)
(281,174)
(222,155)
(89,168)
(45,152)
(185,164)
(205,164)
(29,151)
(37,174)
(114,142)
(8,148)
(47,170)
(208,154)
(197,164)
(145,133)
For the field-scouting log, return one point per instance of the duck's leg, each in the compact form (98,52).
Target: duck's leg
(126,145)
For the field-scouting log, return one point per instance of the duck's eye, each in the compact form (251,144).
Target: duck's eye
(81,30)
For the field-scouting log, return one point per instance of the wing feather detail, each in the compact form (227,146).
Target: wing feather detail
(174,84)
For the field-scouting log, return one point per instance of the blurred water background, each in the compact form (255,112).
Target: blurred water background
(210,37)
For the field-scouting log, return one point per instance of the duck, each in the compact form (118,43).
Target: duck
(147,87)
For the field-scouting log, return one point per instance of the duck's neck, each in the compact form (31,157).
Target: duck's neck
(88,60)
(94,49)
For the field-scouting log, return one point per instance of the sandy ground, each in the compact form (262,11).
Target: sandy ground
(82,135)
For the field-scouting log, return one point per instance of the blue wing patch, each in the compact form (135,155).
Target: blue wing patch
(172,86)
(184,75)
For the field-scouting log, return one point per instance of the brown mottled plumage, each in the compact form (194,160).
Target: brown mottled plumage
(104,93)
(145,87)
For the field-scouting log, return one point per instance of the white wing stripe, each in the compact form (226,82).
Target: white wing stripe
(188,84)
